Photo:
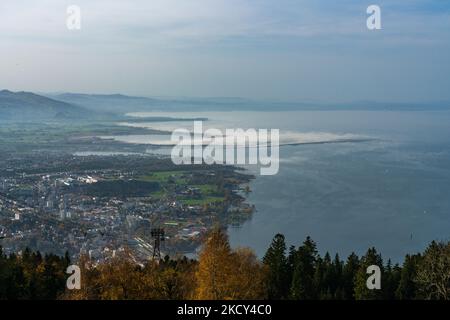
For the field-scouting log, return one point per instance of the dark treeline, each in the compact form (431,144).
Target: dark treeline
(220,272)
(31,275)
(301,273)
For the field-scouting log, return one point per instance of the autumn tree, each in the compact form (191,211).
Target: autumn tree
(119,279)
(249,279)
(169,279)
(433,276)
(215,267)
(226,274)
(91,285)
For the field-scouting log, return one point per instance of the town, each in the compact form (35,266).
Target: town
(100,205)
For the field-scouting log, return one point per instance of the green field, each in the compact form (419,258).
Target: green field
(169,179)
(164,177)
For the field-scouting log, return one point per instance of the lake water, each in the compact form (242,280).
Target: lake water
(392,192)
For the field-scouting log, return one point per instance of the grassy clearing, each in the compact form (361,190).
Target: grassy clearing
(206,189)
(164,177)
(167,180)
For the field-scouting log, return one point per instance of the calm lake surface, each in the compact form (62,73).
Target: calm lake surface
(392,192)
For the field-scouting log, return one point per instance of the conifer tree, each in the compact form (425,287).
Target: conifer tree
(304,259)
(278,270)
(391,280)
(408,288)
(349,271)
(361,290)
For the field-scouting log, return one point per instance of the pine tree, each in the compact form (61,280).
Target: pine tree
(278,270)
(408,288)
(324,277)
(337,281)
(327,285)
(361,290)
(319,282)
(349,271)
(304,260)
(391,280)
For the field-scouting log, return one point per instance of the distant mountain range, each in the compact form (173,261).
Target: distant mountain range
(115,103)
(25,106)
(119,103)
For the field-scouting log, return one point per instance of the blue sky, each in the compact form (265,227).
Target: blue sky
(301,50)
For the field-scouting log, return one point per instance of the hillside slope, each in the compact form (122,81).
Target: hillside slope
(28,106)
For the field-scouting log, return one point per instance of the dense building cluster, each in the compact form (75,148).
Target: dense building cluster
(99,206)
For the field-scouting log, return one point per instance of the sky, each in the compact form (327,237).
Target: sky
(290,50)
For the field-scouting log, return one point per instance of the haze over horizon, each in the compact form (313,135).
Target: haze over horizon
(286,50)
